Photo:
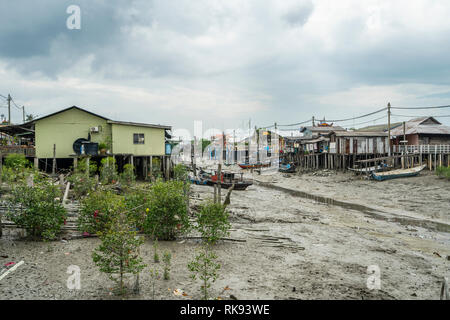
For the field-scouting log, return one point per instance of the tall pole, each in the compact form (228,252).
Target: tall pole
(9,109)
(389,128)
(23,113)
(234,147)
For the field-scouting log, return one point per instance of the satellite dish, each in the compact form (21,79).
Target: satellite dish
(77,145)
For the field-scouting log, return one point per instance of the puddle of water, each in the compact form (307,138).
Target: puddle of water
(377,214)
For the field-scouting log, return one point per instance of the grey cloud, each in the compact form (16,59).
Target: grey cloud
(298,16)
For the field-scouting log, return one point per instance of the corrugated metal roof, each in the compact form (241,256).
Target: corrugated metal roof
(418,126)
(139,124)
(322,129)
(362,134)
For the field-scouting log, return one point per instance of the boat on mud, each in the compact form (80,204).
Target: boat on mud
(227,180)
(287,168)
(254,165)
(400,173)
(369,169)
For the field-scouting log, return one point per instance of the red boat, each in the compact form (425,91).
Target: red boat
(254,165)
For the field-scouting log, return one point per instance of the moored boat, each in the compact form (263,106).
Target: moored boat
(400,173)
(369,169)
(253,165)
(227,180)
(287,168)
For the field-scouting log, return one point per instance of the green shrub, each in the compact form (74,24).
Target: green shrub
(443,172)
(180,172)
(82,165)
(97,211)
(108,170)
(37,209)
(167,257)
(212,222)
(167,210)
(137,202)
(118,253)
(16,160)
(82,185)
(128,177)
(205,268)
(16,168)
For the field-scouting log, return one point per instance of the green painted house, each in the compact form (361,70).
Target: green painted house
(61,129)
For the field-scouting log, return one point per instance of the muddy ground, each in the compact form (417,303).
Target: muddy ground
(308,236)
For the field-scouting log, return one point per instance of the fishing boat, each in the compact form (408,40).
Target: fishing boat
(369,169)
(197,180)
(253,165)
(287,168)
(227,180)
(400,173)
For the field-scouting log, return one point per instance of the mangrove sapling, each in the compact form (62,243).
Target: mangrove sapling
(167,214)
(117,254)
(154,275)
(155,251)
(108,170)
(212,222)
(205,268)
(37,210)
(167,257)
(127,177)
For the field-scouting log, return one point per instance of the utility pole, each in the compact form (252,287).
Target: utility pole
(234,147)
(389,128)
(9,109)
(23,113)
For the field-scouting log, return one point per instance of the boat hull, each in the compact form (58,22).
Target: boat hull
(397,174)
(254,166)
(226,185)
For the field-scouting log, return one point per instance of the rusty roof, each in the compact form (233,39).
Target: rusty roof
(422,125)
(361,134)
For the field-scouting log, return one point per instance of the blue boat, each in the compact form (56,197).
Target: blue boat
(400,173)
(287,168)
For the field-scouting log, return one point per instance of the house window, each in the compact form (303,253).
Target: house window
(138,138)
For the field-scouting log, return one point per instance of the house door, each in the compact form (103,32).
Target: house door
(347,146)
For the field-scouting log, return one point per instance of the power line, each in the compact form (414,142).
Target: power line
(420,108)
(15,104)
(416,116)
(357,124)
(294,124)
(359,117)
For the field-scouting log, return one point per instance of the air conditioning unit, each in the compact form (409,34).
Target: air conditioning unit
(95,130)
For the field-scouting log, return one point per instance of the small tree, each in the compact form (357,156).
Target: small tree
(205,268)
(82,185)
(97,211)
(155,251)
(128,177)
(167,210)
(180,172)
(82,166)
(167,257)
(108,170)
(154,275)
(118,255)
(213,222)
(37,209)
(16,168)
(137,202)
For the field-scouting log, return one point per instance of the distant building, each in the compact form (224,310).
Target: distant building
(316,131)
(358,142)
(422,131)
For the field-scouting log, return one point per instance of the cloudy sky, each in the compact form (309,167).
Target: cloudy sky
(224,62)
